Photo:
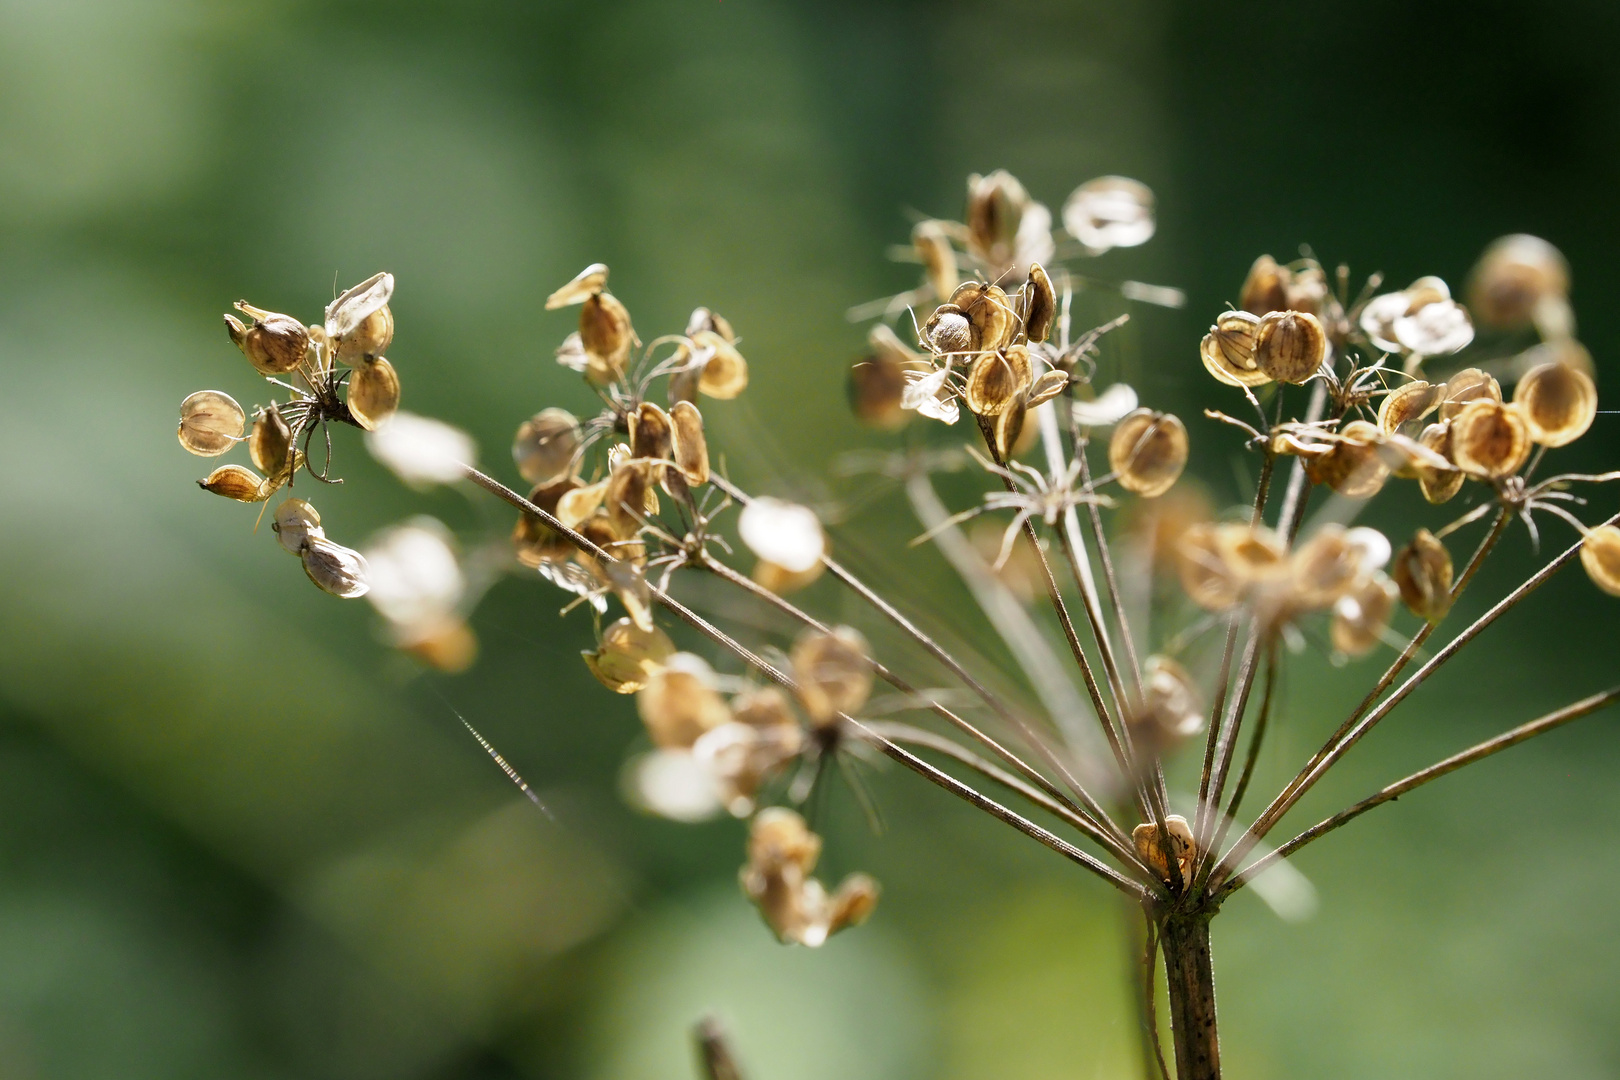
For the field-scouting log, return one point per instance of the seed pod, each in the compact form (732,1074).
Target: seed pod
(370,337)
(237,482)
(989,312)
(948,331)
(996,379)
(652,436)
(1147,452)
(1332,561)
(336,569)
(1289,346)
(1170,709)
(1266,288)
(1110,212)
(1600,555)
(627,656)
(1307,290)
(586,284)
(1047,387)
(1228,349)
(691,448)
(703,319)
(1360,616)
(210,423)
(782,852)
(296,523)
(875,388)
(270,442)
(1040,304)
(995,209)
(547,446)
(1516,276)
(1013,437)
(631,498)
(834,673)
(373,392)
(1150,850)
(350,316)
(1205,576)
(1490,439)
(1439,485)
(1559,403)
(932,243)
(679,702)
(1439,328)
(1355,466)
(725,373)
(1406,406)
(606,336)
(854,902)
(1422,571)
(274,344)
(1465,387)
(533,541)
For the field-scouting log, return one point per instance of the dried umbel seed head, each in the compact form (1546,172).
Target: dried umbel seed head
(782,533)
(834,673)
(628,656)
(1151,850)
(782,852)
(1516,277)
(932,242)
(586,284)
(1147,452)
(533,541)
(1404,408)
(1289,346)
(1228,349)
(679,702)
(1559,403)
(691,448)
(1490,439)
(270,443)
(1333,562)
(547,446)
(274,344)
(1422,571)
(373,392)
(1266,288)
(724,372)
(1467,386)
(236,482)
(1170,710)
(1600,555)
(211,423)
(336,569)
(652,435)
(1110,212)
(606,336)
(1355,465)
(948,331)
(1307,290)
(1439,485)
(997,379)
(1361,615)
(1040,304)
(995,209)
(296,523)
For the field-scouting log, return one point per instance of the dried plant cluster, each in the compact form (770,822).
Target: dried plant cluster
(1177,620)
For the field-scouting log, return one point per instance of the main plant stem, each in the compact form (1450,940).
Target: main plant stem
(1191,983)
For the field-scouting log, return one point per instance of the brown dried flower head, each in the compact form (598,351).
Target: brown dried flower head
(211,423)
(1289,346)
(1422,571)
(1147,452)
(1559,403)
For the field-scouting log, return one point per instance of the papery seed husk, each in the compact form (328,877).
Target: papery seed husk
(1110,212)
(1406,405)
(1149,848)
(1252,554)
(1012,435)
(725,372)
(630,497)
(1266,288)
(1600,556)
(834,673)
(1040,305)
(1559,403)
(691,447)
(1228,349)
(933,246)
(296,523)
(997,379)
(989,312)
(765,708)
(1422,571)
(1205,574)
(1047,387)
(1359,618)
(1464,388)
(651,433)
(853,902)
(356,304)
(335,569)
(995,206)
(679,702)
(1147,452)
(948,331)
(628,656)
(237,482)
(1324,568)
(547,446)
(1170,709)
(533,541)
(1490,439)
(270,442)
(1290,346)
(1513,277)
(1439,485)
(1354,466)
(587,283)
(373,392)
(875,388)
(578,503)
(370,337)
(782,581)
(275,344)
(606,335)
(702,319)
(211,422)
(1307,290)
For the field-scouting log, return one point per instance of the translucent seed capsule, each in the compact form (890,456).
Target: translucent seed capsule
(373,392)
(989,312)
(1307,290)
(932,243)
(1465,387)
(1221,565)
(587,283)
(948,331)
(1110,212)
(296,523)
(1205,576)
(1047,387)
(652,435)
(211,422)
(1405,407)
(1354,466)
(1422,571)
(834,673)
(1559,403)
(1332,561)
(691,448)
(606,336)
(236,482)
(1289,346)
(995,209)
(350,316)
(628,656)
(1600,555)
(270,443)
(702,319)
(1435,329)
(371,336)
(1490,439)
(336,569)
(1266,288)
(579,502)
(547,446)
(1109,407)
(1147,452)
(275,344)
(1439,485)
(679,702)
(1145,838)
(1170,710)
(1516,276)
(1360,616)
(876,389)
(997,379)
(724,374)
(630,497)
(1228,349)
(535,542)
(1012,436)
(1040,304)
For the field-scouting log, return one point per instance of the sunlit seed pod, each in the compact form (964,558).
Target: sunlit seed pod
(1361,616)
(1014,437)
(236,482)
(1600,556)
(691,447)
(1490,439)
(876,387)
(587,283)
(1147,452)
(628,655)
(1149,848)
(599,529)
(948,331)
(1228,349)
(1170,710)
(275,344)
(355,305)
(447,646)
(1565,351)
(1307,290)
(739,759)
(1110,212)
(764,708)
(1040,304)
(296,523)
(779,837)
(270,441)
(1289,346)
(1330,563)
(1435,329)
(1439,485)
(834,673)
(1253,555)
(783,533)
(535,542)
(1205,575)
(997,379)
(373,392)
(652,435)
(1405,407)
(547,446)
(630,498)
(571,355)
(1422,571)
(989,312)
(1047,387)
(335,569)
(606,336)
(853,902)
(995,209)
(1355,465)
(1516,275)
(1465,387)
(782,581)
(1266,288)
(579,502)
(679,702)
(725,372)
(211,423)
(370,336)
(932,243)
(702,319)
(1559,403)
(1378,317)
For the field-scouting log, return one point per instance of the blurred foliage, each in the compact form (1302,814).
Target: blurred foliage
(241,837)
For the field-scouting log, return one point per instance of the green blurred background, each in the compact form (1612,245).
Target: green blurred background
(239,836)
